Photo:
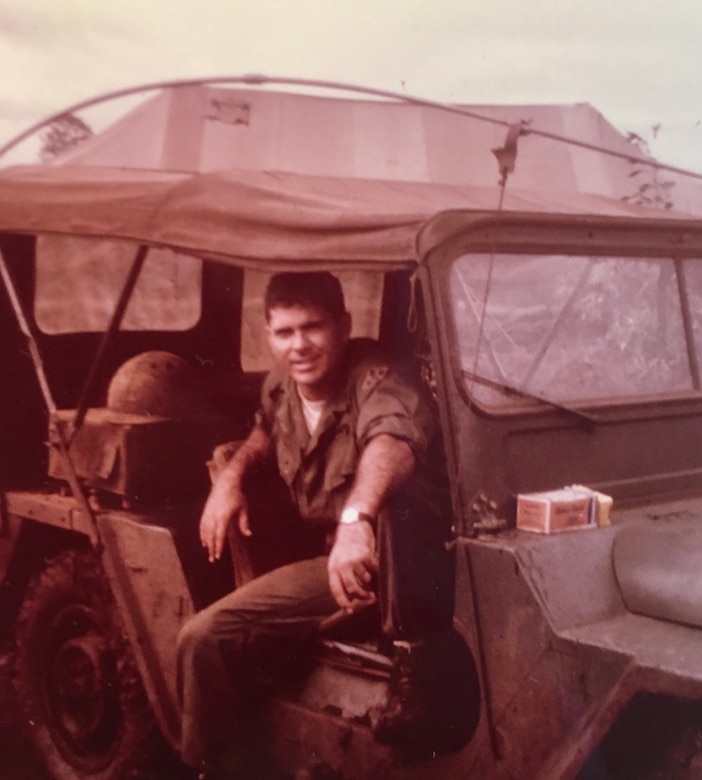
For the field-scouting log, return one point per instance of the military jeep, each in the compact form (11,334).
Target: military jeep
(562,349)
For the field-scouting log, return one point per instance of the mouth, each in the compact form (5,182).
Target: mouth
(304,366)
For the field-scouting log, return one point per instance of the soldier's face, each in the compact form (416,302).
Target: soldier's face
(308,344)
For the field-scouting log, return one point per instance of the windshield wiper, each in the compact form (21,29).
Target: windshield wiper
(510,390)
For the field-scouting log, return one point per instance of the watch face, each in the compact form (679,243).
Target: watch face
(350,515)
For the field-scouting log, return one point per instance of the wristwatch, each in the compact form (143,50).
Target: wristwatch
(350,515)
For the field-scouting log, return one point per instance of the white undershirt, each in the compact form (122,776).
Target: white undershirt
(312,412)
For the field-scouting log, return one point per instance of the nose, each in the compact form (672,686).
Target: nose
(299,340)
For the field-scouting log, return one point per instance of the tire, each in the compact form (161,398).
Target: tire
(77,685)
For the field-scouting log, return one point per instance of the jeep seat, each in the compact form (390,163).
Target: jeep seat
(658,565)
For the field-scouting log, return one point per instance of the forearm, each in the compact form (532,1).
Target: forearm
(252,451)
(227,500)
(386,463)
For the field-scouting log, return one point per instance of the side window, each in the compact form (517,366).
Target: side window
(79,280)
(363,292)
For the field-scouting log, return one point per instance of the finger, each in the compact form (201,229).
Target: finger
(220,533)
(205,534)
(364,576)
(362,583)
(211,549)
(362,603)
(244,526)
(353,588)
(339,592)
(203,531)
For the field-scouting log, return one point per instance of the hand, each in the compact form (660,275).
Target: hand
(225,503)
(353,565)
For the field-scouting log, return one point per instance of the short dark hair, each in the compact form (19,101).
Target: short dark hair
(305,288)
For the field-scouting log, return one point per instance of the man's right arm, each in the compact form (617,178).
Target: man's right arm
(227,501)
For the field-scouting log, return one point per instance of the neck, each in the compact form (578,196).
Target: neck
(314,393)
(322,391)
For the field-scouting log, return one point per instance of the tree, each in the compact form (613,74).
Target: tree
(651,188)
(63,134)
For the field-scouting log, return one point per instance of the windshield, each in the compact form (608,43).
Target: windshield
(574,329)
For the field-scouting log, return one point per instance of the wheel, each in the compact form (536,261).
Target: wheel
(75,678)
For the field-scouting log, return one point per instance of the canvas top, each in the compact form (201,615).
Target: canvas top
(255,217)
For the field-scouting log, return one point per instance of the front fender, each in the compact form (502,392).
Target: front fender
(151,591)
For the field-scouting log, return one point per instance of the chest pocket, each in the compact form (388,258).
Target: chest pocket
(339,458)
(288,456)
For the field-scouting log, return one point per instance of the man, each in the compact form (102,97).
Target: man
(355,442)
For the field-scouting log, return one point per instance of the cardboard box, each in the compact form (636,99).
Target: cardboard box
(603,504)
(557,510)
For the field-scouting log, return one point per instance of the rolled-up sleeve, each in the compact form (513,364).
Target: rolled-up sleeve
(264,416)
(390,404)
(261,421)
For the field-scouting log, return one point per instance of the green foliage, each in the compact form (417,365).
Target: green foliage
(651,189)
(63,134)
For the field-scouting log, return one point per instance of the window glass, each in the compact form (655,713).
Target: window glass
(79,281)
(363,291)
(569,328)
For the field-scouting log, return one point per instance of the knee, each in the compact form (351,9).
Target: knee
(195,636)
(217,631)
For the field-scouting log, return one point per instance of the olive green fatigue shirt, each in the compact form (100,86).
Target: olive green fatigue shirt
(373,398)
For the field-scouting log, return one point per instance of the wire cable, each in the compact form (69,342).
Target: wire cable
(253,80)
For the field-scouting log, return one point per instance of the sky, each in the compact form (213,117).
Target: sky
(639,63)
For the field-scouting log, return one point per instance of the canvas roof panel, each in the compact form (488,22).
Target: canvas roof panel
(252,216)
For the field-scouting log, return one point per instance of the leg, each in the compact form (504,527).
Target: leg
(217,646)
